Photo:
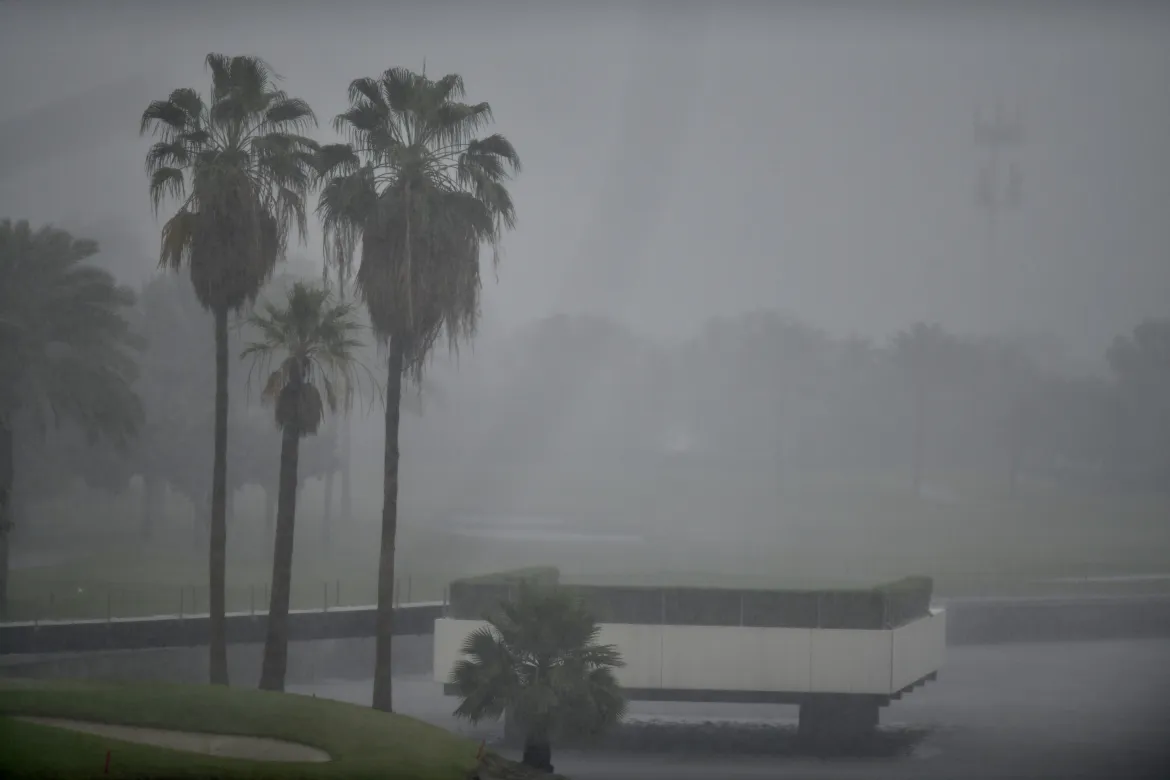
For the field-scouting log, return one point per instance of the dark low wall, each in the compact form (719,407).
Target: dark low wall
(886,606)
(192,631)
(975,621)
(474,598)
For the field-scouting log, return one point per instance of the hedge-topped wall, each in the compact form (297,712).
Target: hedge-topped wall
(473,598)
(886,606)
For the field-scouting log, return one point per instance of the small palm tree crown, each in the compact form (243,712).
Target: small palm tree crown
(240,168)
(316,341)
(66,344)
(421,193)
(539,658)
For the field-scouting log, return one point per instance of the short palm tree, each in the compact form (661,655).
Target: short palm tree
(315,340)
(66,349)
(421,195)
(539,661)
(240,170)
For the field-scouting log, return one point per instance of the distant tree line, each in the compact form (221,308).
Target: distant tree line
(769,390)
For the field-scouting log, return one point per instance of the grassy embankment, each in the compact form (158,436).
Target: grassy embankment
(361,742)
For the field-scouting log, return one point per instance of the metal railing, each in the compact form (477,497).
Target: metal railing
(60,602)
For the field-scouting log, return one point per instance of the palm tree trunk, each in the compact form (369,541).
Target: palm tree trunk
(269,510)
(407,282)
(327,510)
(200,520)
(275,664)
(537,751)
(218,542)
(384,631)
(7,477)
(346,483)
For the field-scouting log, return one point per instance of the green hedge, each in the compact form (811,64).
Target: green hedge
(473,598)
(621,604)
(906,599)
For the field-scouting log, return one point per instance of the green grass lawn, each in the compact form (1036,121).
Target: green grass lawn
(362,742)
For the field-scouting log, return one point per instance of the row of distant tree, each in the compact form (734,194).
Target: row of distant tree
(758,387)
(766,389)
(172,445)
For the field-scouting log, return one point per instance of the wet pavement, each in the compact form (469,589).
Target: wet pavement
(1046,710)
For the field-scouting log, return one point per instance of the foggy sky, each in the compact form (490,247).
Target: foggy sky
(686,160)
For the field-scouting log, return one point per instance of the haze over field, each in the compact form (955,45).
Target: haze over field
(795,294)
(725,217)
(687,161)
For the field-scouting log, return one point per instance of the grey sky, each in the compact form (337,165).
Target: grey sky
(684,160)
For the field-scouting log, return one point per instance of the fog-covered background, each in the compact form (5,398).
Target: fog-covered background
(727,216)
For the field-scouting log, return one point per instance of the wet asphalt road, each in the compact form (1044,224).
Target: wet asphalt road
(1052,710)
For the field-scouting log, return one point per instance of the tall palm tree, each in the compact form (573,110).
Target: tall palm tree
(240,169)
(65,349)
(315,338)
(421,195)
(539,661)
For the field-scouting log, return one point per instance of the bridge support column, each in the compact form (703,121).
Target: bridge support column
(831,722)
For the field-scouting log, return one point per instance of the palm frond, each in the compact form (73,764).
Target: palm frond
(344,205)
(291,113)
(178,239)
(66,347)
(368,89)
(166,183)
(413,168)
(539,658)
(179,113)
(337,159)
(241,170)
(316,341)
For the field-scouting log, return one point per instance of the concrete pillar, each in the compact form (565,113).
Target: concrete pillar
(832,723)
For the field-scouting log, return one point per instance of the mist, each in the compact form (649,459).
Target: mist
(769,313)
(819,163)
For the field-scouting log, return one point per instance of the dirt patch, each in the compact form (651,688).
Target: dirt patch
(220,745)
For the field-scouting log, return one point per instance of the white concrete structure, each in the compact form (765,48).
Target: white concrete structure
(737,659)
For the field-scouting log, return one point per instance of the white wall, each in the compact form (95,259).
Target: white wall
(735,658)
(767,659)
(641,647)
(918,649)
(849,661)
